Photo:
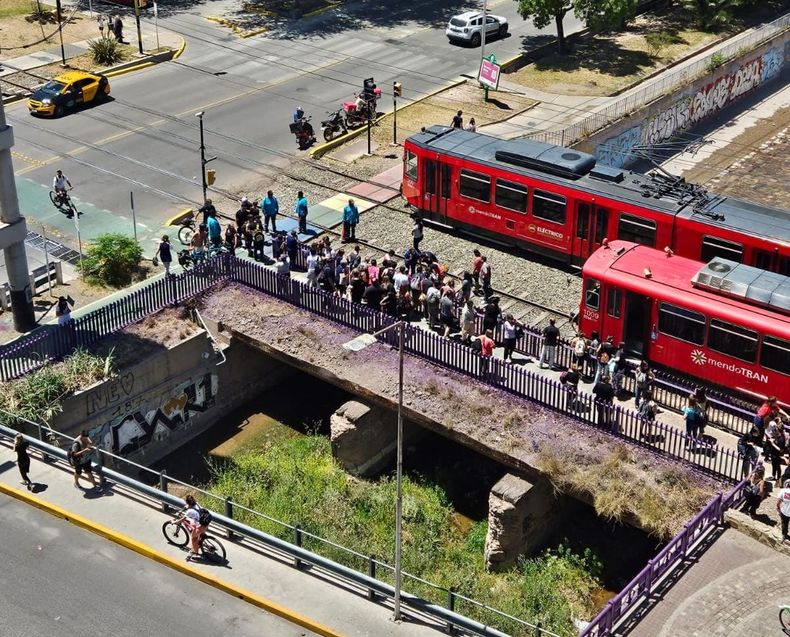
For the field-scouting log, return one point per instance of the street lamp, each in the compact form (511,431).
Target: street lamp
(355,345)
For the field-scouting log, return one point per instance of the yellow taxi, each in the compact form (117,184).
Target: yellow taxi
(68,91)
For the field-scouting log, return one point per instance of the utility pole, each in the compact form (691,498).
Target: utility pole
(60,33)
(137,19)
(12,235)
(483,42)
(203,160)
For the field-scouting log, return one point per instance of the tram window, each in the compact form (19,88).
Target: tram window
(511,195)
(601,224)
(583,220)
(475,185)
(636,229)
(592,294)
(762,259)
(732,340)
(713,247)
(614,302)
(430,177)
(784,266)
(775,354)
(411,165)
(548,206)
(681,323)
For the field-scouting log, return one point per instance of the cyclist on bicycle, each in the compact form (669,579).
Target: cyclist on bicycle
(61,184)
(197,520)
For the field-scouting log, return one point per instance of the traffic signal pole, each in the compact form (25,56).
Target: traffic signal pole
(137,19)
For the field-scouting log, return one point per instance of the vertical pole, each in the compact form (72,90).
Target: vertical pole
(137,19)
(90,8)
(203,158)
(372,575)
(394,118)
(399,476)
(60,33)
(79,242)
(369,152)
(483,32)
(156,24)
(134,217)
(46,258)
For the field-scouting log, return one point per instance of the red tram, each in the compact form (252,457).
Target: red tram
(724,322)
(559,202)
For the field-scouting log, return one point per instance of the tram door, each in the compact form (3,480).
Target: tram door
(438,188)
(592,223)
(636,326)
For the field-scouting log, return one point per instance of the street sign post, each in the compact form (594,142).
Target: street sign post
(489,73)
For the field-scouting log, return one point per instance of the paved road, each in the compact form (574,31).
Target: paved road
(145,140)
(60,580)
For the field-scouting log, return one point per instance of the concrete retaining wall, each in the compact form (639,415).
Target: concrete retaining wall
(671,115)
(150,409)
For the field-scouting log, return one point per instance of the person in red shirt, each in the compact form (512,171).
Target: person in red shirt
(486,351)
(477,264)
(767,412)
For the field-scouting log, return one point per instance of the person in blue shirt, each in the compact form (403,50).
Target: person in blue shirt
(214,230)
(301,212)
(350,221)
(270,207)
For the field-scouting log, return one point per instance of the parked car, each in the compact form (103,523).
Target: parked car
(68,91)
(467,27)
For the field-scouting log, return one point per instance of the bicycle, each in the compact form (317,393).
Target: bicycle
(186,230)
(784,618)
(177,534)
(63,202)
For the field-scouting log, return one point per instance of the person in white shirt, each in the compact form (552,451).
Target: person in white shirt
(783,506)
(471,126)
(196,529)
(61,183)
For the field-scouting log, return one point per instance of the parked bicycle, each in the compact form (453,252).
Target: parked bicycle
(177,534)
(784,618)
(63,202)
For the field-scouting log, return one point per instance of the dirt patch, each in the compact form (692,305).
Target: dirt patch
(604,63)
(761,173)
(622,482)
(26,32)
(440,108)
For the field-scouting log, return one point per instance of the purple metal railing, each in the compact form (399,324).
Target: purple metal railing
(676,551)
(32,351)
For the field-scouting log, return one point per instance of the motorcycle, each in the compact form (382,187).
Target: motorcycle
(358,116)
(303,131)
(335,124)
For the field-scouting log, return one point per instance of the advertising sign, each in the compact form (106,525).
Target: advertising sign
(489,73)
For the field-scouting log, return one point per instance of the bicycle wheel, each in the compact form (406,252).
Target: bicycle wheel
(54,199)
(784,619)
(185,235)
(212,548)
(175,533)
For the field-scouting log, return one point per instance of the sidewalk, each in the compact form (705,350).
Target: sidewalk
(250,567)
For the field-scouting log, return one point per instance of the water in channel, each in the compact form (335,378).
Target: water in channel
(303,404)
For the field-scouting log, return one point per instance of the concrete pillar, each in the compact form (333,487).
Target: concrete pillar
(521,517)
(12,235)
(364,438)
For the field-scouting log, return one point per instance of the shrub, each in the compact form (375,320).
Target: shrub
(715,61)
(657,42)
(112,259)
(105,51)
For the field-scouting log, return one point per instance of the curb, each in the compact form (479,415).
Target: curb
(150,553)
(236,29)
(322,149)
(177,218)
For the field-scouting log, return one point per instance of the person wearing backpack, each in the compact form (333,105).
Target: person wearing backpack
(198,520)
(579,345)
(647,411)
(78,456)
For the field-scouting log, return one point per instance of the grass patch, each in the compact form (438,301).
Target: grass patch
(604,63)
(297,481)
(10,8)
(38,396)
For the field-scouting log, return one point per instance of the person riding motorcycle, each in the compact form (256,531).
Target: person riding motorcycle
(299,118)
(61,184)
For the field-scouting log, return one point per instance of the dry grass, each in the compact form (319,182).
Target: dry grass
(22,33)
(605,63)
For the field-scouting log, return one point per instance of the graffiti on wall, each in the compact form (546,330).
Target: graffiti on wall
(690,109)
(135,423)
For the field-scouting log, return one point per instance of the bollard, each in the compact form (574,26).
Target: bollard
(229,514)
(100,469)
(163,489)
(538,630)
(372,575)
(298,542)
(449,628)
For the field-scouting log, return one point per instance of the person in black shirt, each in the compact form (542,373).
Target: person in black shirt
(458,120)
(373,295)
(22,459)
(549,351)
(604,394)
(357,287)
(570,379)
(491,314)
(206,209)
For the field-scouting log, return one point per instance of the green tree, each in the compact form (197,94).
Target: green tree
(112,259)
(597,14)
(713,14)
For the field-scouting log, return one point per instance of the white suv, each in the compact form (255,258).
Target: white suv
(466,27)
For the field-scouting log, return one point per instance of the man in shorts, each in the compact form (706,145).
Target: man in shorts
(80,453)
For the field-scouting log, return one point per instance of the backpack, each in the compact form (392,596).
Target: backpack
(72,459)
(205,517)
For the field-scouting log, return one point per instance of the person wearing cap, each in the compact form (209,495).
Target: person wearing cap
(783,506)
